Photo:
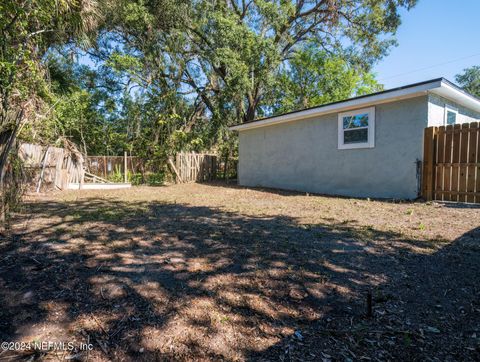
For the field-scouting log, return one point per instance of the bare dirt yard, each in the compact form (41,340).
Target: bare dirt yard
(219,272)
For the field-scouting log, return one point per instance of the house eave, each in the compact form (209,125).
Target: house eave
(439,86)
(450,91)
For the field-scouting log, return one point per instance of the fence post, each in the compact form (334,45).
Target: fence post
(125,166)
(45,160)
(428,163)
(105,167)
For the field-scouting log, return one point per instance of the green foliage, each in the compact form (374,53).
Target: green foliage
(470,80)
(72,114)
(135,178)
(150,178)
(117,175)
(13,187)
(28,30)
(155,179)
(315,77)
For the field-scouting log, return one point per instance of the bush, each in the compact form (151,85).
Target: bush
(155,179)
(135,178)
(117,175)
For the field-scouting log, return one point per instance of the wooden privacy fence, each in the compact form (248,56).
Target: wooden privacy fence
(451,169)
(192,167)
(52,167)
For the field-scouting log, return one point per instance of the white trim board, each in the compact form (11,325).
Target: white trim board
(441,87)
(98,186)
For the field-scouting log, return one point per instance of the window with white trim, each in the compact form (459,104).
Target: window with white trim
(356,129)
(451,114)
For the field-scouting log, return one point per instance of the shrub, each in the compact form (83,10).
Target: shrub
(155,179)
(117,175)
(135,178)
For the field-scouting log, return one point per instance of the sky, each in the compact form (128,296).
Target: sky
(437,38)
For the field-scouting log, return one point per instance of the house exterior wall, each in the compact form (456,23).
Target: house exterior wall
(436,111)
(303,155)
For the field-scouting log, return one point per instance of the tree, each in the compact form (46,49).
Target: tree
(470,80)
(315,77)
(239,46)
(27,30)
(205,65)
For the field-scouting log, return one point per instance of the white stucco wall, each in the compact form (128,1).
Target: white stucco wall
(436,111)
(303,155)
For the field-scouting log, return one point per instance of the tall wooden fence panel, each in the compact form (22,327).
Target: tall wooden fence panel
(451,169)
(195,167)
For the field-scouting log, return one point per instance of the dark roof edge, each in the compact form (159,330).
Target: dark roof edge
(460,89)
(441,79)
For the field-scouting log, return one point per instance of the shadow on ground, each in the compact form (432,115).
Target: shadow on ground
(155,281)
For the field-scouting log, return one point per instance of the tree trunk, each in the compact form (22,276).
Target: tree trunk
(7,139)
(225,168)
(250,114)
(253,101)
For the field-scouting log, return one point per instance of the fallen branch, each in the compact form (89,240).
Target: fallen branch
(95,177)
(104,349)
(99,324)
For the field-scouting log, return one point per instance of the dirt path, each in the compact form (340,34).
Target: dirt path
(202,272)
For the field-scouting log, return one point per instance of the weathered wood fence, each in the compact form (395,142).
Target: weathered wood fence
(50,167)
(57,168)
(106,166)
(451,166)
(186,167)
(194,167)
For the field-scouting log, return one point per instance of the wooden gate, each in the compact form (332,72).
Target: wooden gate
(192,167)
(451,163)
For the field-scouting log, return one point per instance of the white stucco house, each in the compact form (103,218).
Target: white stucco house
(368,146)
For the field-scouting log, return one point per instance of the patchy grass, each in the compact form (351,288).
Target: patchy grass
(202,272)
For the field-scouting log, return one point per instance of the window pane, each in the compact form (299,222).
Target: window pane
(358,120)
(355,136)
(451,117)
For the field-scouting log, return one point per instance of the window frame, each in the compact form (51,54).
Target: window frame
(370,134)
(449,108)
